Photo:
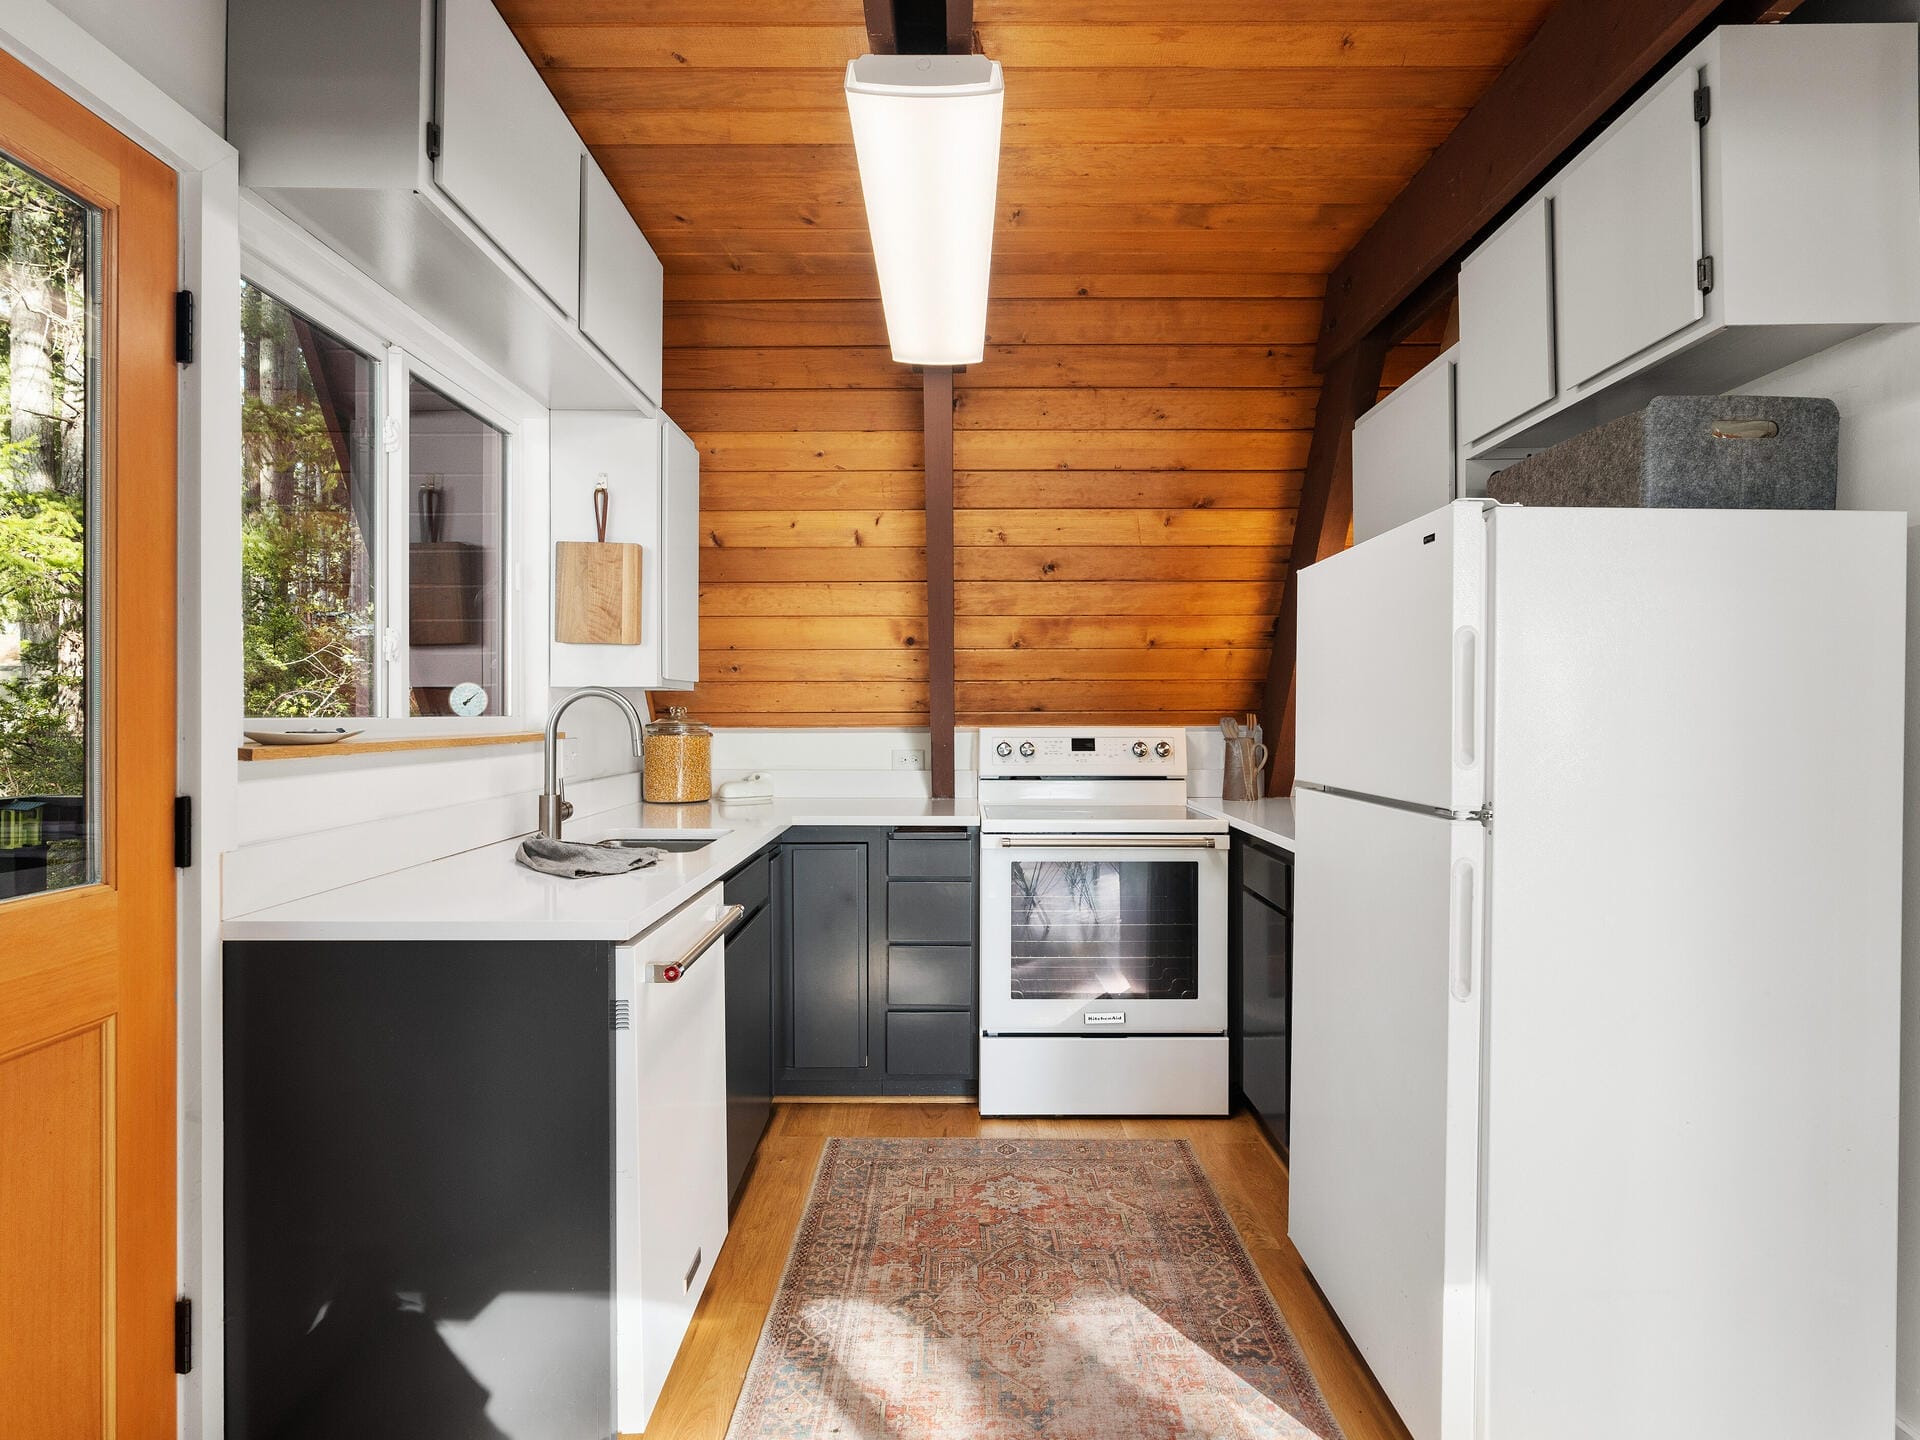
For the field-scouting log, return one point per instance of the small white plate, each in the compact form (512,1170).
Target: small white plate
(300,737)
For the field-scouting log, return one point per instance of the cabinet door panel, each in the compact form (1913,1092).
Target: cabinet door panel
(1403,453)
(749,1040)
(679,556)
(1506,323)
(508,155)
(620,284)
(1264,993)
(930,912)
(1627,235)
(826,988)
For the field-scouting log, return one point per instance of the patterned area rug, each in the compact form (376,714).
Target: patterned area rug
(988,1289)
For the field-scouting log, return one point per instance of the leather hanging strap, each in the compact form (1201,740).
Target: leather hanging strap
(600,511)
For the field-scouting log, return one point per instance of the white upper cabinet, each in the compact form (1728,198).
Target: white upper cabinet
(509,157)
(680,555)
(652,473)
(1627,226)
(1404,452)
(1759,203)
(416,139)
(620,284)
(1506,323)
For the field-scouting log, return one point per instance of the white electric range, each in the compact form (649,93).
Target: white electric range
(1103,927)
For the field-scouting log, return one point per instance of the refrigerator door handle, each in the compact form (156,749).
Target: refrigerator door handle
(1466,697)
(1463,931)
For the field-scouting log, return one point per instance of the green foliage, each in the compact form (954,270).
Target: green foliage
(307,600)
(44,238)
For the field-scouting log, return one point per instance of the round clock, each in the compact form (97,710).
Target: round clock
(468,699)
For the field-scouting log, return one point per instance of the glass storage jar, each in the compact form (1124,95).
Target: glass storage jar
(677,761)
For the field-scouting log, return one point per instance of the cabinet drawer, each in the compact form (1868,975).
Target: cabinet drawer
(748,885)
(930,912)
(930,1042)
(930,975)
(1267,874)
(935,855)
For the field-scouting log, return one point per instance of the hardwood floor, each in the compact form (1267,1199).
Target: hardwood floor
(706,1379)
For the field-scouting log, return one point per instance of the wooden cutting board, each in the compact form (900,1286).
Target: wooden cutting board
(596,592)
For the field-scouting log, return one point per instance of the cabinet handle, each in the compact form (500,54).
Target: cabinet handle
(665,973)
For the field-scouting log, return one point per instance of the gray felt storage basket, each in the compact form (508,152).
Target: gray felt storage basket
(1716,452)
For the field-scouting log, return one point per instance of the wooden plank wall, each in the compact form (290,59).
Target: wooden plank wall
(1174,187)
(1123,509)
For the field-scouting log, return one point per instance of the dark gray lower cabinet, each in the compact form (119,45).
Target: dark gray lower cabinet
(419,1163)
(749,1016)
(875,984)
(1263,980)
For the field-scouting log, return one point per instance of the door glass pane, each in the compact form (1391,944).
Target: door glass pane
(1106,929)
(457,515)
(308,506)
(50,769)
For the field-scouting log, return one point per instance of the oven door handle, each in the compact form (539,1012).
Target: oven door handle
(1103,842)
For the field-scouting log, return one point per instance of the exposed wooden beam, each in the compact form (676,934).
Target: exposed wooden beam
(1320,530)
(880,31)
(959,27)
(936,390)
(1583,60)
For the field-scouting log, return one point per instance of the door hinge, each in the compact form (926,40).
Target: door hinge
(1703,274)
(433,139)
(1703,105)
(183,1336)
(183,832)
(183,327)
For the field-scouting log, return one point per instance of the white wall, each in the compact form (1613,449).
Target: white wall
(1875,380)
(180,45)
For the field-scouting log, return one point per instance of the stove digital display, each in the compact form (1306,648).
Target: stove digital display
(1082,745)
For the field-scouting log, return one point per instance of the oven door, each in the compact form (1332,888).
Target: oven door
(1103,934)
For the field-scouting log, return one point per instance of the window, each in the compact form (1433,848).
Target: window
(309,505)
(457,486)
(374,512)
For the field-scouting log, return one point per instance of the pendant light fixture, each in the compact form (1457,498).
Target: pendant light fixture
(926,129)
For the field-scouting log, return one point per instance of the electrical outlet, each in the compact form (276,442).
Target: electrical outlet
(909,759)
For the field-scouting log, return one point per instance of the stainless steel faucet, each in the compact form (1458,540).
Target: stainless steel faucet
(554,809)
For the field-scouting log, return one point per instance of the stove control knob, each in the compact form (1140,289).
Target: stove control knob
(1003,749)
(1026,749)
(1163,750)
(1140,749)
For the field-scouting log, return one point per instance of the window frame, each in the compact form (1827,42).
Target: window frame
(301,273)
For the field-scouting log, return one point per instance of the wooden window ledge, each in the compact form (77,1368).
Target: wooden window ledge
(389,744)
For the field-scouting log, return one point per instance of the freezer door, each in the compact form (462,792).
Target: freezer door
(1694,981)
(1392,662)
(1388,936)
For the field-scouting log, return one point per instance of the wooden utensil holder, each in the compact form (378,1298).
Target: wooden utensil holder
(596,592)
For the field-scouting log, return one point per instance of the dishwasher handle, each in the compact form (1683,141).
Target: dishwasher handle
(668,971)
(1101,842)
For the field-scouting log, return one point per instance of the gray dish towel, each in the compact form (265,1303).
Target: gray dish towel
(574,861)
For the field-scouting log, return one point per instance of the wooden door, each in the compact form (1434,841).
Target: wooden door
(87,1229)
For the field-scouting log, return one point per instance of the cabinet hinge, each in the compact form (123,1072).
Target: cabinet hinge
(183,832)
(183,1336)
(183,327)
(1703,274)
(619,1015)
(433,139)
(1703,105)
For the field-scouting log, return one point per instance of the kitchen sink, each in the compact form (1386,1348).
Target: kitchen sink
(673,841)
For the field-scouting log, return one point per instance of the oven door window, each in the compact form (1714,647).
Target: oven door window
(1105,929)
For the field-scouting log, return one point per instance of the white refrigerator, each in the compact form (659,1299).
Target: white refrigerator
(1597,968)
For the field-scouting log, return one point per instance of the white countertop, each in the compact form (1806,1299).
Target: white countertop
(484,895)
(1268,820)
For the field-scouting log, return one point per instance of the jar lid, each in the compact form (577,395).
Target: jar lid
(677,723)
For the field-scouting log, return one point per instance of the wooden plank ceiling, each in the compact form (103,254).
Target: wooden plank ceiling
(1173,192)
